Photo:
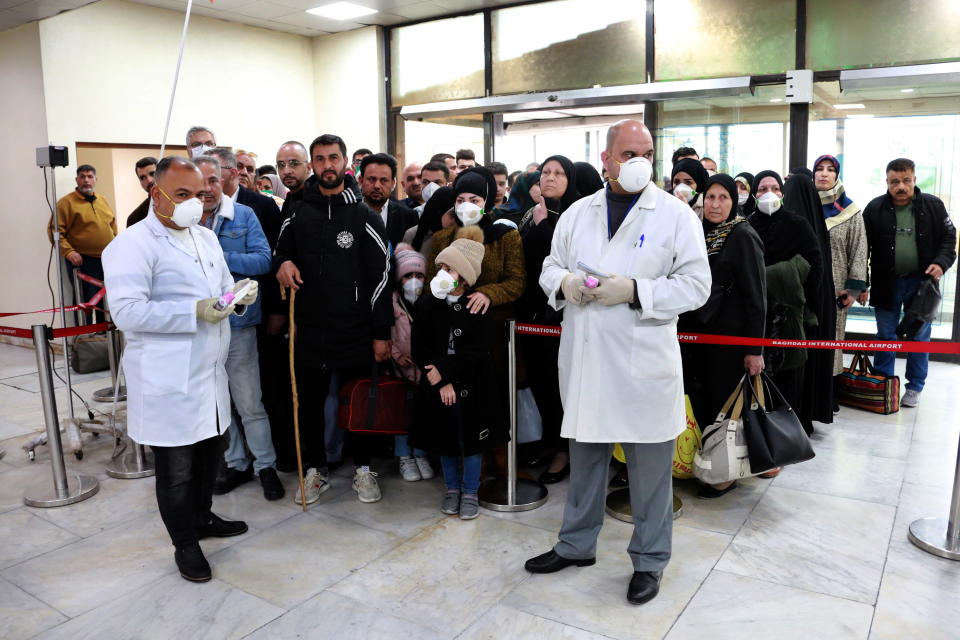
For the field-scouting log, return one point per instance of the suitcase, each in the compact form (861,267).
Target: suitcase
(88,353)
(380,404)
(862,387)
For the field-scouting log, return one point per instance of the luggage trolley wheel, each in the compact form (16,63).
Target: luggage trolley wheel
(78,454)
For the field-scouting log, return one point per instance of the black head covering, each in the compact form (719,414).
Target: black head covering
(727,183)
(801,171)
(569,196)
(588,179)
(748,207)
(694,169)
(769,173)
(431,220)
(479,181)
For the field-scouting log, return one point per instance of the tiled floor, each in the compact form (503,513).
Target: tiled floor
(819,552)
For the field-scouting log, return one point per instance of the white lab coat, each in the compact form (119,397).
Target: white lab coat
(173,362)
(620,371)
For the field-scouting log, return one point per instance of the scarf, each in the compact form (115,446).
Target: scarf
(835,200)
(717,236)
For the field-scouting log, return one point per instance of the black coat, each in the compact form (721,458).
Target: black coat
(139,213)
(478,420)
(266,210)
(784,235)
(340,248)
(399,219)
(936,241)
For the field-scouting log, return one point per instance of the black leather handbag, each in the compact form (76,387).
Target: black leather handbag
(775,437)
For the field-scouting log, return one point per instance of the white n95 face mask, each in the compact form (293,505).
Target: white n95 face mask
(196,152)
(186,213)
(412,289)
(684,192)
(634,174)
(742,198)
(429,190)
(469,213)
(769,203)
(442,284)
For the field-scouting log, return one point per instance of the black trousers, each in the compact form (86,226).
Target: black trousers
(185,478)
(313,385)
(92,267)
(540,354)
(274,355)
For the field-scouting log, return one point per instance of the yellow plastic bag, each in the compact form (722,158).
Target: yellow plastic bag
(687,444)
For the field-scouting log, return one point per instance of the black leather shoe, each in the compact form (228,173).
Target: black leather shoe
(272,487)
(644,586)
(192,565)
(551,477)
(551,562)
(707,492)
(220,528)
(231,480)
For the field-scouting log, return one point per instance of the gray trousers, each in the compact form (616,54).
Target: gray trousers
(649,466)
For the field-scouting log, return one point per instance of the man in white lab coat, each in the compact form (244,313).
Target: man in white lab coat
(620,370)
(163,278)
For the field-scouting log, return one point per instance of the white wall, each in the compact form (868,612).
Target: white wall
(108,69)
(349,87)
(23,213)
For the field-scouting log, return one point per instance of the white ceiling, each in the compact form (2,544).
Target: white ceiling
(279,15)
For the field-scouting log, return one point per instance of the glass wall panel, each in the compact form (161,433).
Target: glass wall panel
(877,33)
(560,45)
(424,138)
(922,124)
(721,38)
(438,60)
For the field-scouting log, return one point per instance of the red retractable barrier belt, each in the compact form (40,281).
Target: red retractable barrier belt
(853,345)
(87,307)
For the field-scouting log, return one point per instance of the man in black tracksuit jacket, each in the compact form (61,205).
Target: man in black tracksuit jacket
(333,249)
(910,237)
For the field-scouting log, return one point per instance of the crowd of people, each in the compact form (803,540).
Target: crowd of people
(421,287)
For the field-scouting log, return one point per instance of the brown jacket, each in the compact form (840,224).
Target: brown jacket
(85,227)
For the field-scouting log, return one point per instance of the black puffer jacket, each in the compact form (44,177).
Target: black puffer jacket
(340,248)
(936,241)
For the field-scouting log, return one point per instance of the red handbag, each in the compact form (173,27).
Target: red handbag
(380,404)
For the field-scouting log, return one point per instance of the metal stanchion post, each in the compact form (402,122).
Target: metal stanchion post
(67,487)
(113,356)
(136,464)
(941,536)
(618,505)
(63,314)
(79,317)
(511,493)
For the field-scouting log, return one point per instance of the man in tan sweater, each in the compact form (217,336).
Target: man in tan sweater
(87,224)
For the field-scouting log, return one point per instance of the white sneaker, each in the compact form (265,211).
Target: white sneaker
(315,483)
(426,471)
(365,484)
(409,469)
(910,399)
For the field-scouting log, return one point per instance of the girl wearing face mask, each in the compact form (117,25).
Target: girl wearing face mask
(794,264)
(459,410)
(409,271)
(687,179)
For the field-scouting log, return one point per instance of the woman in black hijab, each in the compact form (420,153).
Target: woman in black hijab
(432,219)
(736,307)
(588,179)
(801,196)
(520,200)
(745,199)
(687,180)
(558,186)
(795,271)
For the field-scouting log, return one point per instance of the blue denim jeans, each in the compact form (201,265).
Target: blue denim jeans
(243,376)
(401,447)
(887,319)
(469,480)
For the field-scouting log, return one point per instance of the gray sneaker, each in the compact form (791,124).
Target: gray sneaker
(365,484)
(469,507)
(315,483)
(910,399)
(451,503)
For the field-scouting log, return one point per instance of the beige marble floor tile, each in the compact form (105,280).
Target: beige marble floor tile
(174,609)
(594,597)
(733,607)
(25,536)
(247,503)
(10,429)
(821,543)
(931,463)
(300,557)
(15,481)
(847,474)
(909,608)
(452,563)
(107,565)
(505,622)
(116,502)
(937,423)
(23,616)
(859,434)
(725,514)
(548,516)
(329,615)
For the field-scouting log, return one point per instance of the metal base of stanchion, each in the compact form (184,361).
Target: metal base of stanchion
(128,467)
(618,505)
(930,534)
(529,495)
(106,395)
(79,487)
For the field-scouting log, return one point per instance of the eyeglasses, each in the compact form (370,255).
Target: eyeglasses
(293,164)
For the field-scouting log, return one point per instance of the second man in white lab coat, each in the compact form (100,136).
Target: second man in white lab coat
(620,369)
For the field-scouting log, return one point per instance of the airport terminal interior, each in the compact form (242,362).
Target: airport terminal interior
(821,549)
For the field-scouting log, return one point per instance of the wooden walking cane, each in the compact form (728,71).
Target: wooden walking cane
(296,398)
